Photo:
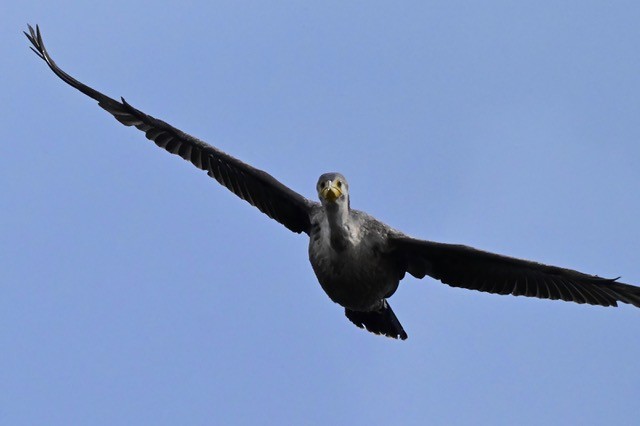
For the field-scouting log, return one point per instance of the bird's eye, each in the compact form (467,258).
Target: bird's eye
(339,184)
(322,185)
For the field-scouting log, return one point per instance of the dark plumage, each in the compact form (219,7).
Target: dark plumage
(358,260)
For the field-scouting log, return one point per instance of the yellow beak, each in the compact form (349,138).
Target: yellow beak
(331,192)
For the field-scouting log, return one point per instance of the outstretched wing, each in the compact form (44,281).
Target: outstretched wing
(466,267)
(252,185)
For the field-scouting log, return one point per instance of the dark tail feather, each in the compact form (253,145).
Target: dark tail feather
(383,321)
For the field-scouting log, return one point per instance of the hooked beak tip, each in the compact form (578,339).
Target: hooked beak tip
(330,193)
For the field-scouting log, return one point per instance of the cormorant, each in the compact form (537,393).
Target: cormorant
(358,260)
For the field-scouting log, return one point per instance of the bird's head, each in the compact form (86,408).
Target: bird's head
(333,190)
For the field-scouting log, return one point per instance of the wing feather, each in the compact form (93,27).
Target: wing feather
(252,185)
(467,267)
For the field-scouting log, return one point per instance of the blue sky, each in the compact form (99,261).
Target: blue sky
(135,290)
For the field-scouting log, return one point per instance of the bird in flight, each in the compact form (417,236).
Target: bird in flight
(358,260)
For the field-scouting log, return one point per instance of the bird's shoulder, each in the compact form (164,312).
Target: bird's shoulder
(371,226)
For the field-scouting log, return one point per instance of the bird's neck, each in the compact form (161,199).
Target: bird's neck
(339,231)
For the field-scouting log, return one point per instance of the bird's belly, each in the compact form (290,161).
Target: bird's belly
(355,280)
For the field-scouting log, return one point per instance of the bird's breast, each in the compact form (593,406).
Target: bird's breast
(358,276)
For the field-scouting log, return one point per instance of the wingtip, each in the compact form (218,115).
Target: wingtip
(35,38)
(33,33)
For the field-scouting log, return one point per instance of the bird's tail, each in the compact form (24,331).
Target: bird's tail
(383,321)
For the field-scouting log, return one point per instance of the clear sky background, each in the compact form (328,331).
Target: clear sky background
(136,290)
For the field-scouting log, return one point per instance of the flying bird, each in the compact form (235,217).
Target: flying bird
(358,260)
